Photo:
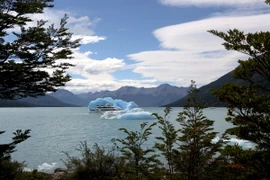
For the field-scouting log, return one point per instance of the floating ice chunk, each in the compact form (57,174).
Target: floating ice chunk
(47,168)
(26,169)
(137,116)
(133,114)
(116,103)
(243,143)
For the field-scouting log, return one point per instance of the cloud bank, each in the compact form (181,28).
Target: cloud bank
(189,52)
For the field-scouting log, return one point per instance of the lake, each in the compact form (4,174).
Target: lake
(54,130)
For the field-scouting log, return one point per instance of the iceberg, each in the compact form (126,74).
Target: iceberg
(133,114)
(119,109)
(120,104)
(47,168)
(232,141)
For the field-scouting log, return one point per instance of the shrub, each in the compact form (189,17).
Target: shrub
(97,164)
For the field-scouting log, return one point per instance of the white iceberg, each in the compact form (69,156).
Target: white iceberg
(133,114)
(122,105)
(119,109)
(47,168)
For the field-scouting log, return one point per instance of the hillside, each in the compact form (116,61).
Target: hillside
(69,98)
(205,95)
(41,101)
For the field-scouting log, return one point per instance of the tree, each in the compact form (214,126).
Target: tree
(27,54)
(140,160)
(249,103)
(8,169)
(167,142)
(7,149)
(196,153)
(33,50)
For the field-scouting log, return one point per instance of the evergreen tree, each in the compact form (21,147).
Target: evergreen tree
(25,59)
(196,155)
(9,170)
(7,149)
(249,103)
(27,54)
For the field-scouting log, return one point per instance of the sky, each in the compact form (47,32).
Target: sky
(145,43)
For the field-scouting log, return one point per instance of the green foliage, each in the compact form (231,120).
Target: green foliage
(8,169)
(33,175)
(239,163)
(94,164)
(23,61)
(141,161)
(167,141)
(13,170)
(7,149)
(190,151)
(249,104)
(196,153)
(26,56)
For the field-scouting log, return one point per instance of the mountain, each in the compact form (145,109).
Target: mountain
(69,98)
(144,97)
(205,95)
(45,101)
(41,101)
(14,103)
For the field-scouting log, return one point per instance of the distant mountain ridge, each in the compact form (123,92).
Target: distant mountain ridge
(144,97)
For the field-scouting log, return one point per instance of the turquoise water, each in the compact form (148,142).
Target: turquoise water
(54,130)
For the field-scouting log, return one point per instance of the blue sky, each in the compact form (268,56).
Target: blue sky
(145,43)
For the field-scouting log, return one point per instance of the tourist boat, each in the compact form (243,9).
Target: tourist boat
(106,107)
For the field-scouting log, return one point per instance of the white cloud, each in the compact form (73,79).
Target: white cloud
(105,66)
(191,53)
(180,67)
(212,2)
(86,66)
(194,36)
(78,25)
(88,39)
(104,82)
(77,85)
(93,74)
(81,27)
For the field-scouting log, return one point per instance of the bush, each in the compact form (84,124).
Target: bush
(97,164)
(9,170)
